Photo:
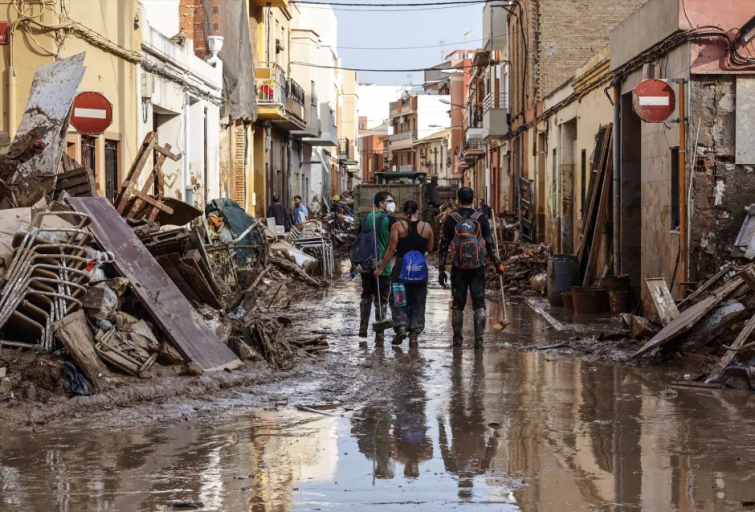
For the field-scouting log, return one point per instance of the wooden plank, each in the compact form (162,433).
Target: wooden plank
(727,358)
(203,267)
(177,278)
(194,278)
(592,259)
(686,320)
(710,282)
(664,302)
(589,225)
(185,328)
(554,323)
(74,333)
(132,177)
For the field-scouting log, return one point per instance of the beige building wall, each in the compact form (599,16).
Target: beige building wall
(110,61)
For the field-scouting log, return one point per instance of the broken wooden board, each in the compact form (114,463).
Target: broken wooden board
(178,320)
(74,333)
(662,299)
(746,237)
(554,323)
(38,144)
(712,326)
(705,286)
(686,320)
(727,358)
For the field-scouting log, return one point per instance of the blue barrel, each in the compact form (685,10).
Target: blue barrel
(563,273)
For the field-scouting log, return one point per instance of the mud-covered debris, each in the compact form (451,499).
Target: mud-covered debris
(639,327)
(185,504)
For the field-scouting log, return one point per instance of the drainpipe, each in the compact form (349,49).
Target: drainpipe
(616,178)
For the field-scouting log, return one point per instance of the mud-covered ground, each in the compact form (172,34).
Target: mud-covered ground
(427,428)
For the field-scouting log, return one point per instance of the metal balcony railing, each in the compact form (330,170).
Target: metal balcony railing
(402,136)
(270,84)
(495,100)
(296,92)
(474,146)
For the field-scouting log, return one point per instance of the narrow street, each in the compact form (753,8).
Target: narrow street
(408,429)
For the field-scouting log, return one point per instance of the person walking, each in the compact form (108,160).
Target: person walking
(300,211)
(280,213)
(485,209)
(408,235)
(371,285)
(467,234)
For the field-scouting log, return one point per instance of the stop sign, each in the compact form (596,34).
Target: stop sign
(654,100)
(92,113)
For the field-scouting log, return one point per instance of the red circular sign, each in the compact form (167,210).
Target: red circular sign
(654,100)
(92,113)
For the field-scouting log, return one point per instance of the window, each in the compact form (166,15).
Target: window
(88,159)
(675,188)
(583,172)
(111,169)
(312,93)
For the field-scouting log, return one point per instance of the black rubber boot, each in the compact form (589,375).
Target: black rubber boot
(479,327)
(413,338)
(365,308)
(400,335)
(457,324)
(380,335)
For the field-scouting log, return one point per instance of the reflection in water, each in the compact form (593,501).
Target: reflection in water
(494,431)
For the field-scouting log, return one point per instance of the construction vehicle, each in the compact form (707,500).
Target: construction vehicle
(404,186)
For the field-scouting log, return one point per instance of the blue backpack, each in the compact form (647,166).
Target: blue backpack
(363,249)
(413,268)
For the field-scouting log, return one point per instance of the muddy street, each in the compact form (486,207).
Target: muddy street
(408,429)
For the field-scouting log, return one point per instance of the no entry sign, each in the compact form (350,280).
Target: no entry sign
(92,113)
(654,101)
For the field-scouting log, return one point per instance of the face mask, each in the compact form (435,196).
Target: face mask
(390,207)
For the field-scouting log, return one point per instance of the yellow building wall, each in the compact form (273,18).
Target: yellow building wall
(106,72)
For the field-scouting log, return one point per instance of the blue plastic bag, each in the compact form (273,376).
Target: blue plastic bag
(413,268)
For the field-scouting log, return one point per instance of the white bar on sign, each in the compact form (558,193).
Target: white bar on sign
(94,113)
(654,100)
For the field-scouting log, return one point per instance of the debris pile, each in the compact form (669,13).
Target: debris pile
(524,262)
(92,295)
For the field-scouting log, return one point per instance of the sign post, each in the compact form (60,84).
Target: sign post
(92,113)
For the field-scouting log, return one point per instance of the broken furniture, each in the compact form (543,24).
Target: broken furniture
(45,280)
(313,240)
(136,203)
(166,304)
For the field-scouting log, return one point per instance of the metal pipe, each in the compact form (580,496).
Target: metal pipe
(616,179)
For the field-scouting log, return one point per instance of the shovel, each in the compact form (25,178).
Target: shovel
(503,318)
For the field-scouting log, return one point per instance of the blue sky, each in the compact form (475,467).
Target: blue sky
(402,29)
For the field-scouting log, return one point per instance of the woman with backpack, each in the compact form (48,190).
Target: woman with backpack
(410,240)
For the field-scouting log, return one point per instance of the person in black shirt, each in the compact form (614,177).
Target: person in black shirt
(485,209)
(280,213)
(465,280)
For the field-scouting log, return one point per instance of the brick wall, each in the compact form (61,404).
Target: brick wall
(192,16)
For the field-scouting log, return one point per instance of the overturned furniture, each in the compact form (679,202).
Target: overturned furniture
(45,280)
(315,241)
(136,203)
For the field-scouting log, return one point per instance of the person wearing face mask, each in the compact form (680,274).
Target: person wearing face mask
(385,206)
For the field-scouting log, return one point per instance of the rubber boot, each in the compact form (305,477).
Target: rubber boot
(400,335)
(457,324)
(365,308)
(380,335)
(413,338)
(479,326)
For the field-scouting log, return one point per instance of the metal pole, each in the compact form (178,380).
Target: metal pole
(683,185)
(616,179)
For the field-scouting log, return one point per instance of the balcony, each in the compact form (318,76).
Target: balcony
(346,152)
(401,107)
(473,150)
(495,121)
(276,99)
(404,140)
(474,134)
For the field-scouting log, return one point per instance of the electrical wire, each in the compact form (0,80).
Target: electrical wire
(365,70)
(401,47)
(349,9)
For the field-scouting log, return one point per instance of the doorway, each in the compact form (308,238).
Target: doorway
(630,136)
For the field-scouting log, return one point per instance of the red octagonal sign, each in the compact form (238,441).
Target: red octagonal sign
(92,113)
(654,100)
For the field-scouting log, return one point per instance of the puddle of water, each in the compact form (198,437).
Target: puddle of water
(504,431)
(500,431)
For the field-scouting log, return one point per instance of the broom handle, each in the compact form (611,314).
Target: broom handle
(500,277)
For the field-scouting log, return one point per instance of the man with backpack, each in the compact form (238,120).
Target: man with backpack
(375,290)
(467,234)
